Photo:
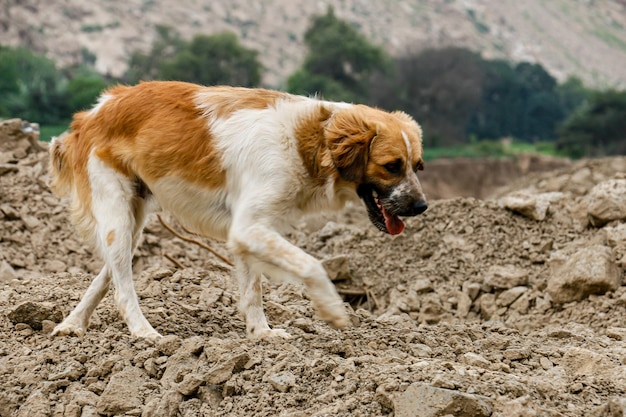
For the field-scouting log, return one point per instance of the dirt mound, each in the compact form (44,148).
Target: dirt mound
(480,178)
(475,310)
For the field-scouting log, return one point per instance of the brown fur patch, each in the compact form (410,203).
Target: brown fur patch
(156,130)
(221,102)
(110,237)
(348,136)
(312,145)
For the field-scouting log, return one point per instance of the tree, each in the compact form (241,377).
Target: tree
(213,60)
(339,61)
(598,128)
(146,66)
(83,89)
(441,88)
(208,60)
(519,101)
(31,87)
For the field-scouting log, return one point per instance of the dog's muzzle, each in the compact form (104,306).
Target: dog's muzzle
(384,211)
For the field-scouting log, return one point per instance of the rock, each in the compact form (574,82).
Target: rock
(7,273)
(590,270)
(36,405)
(169,344)
(422,286)
(47,326)
(33,314)
(607,202)
(9,212)
(518,408)
(431,311)
(505,277)
(89,411)
(584,362)
(616,235)
(337,267)
(487,303)
(533,206)
(475,359)
(472,289)
(123,392)
(190,384)
(422,400)
(72,372)
(6,168)
(222,372)
(164,406)
(56,266)
(508,297)
(283,381)
(464,303)
(31,222)
(516,354)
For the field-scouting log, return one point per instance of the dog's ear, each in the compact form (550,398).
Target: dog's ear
(348,137)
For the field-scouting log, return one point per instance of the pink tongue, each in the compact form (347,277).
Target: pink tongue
(394,224)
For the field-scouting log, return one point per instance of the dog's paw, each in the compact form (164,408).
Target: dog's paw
(68,328)
(269,334)
(148,334)
(336,316)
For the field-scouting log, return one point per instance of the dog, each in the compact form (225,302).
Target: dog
(234,164)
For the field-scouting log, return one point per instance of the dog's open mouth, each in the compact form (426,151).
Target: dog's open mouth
(384,220)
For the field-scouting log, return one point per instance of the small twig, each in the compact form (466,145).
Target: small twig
(370,294)
(194,241)
(346,291)
(174,261)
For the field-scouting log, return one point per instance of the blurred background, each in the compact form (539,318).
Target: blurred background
(483,77)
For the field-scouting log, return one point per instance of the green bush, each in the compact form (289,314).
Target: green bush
(339,62)
(598,128)
(31,87)
(209,60)
(84,89)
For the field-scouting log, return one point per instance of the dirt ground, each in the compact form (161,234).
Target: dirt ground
(511,306)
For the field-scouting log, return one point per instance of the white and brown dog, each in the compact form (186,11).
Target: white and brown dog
(235,164)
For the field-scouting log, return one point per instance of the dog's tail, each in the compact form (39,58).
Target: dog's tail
(61,158)
(69,177)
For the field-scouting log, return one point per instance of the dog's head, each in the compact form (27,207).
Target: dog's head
(381,153)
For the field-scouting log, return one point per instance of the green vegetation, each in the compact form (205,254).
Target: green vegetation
(46,132)
(339,63)
(209,60)
(491,149)
(34,89)
(597,128)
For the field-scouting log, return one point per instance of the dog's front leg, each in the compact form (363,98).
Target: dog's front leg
(251,303)
(261,246)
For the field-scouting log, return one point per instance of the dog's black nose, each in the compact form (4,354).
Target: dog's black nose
(419,207)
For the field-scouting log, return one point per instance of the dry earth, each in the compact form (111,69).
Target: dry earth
(507,307)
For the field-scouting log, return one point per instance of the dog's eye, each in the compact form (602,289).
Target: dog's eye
(394,167)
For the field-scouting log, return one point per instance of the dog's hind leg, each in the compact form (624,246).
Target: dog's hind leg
(77,321)
(119,212)
(251,303)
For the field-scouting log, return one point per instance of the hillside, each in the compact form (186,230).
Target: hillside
(586,38)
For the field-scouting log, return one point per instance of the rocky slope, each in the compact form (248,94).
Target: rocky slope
(505,307)
(586,38)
